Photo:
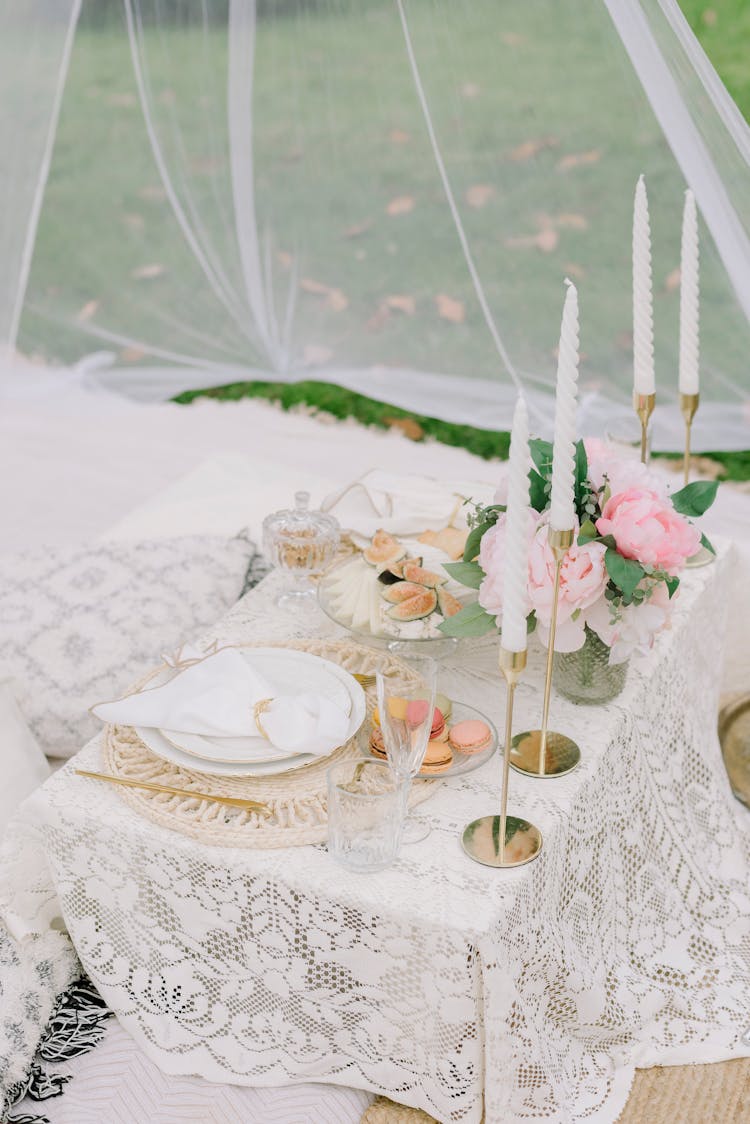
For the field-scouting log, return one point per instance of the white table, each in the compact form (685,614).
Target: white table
(531,994)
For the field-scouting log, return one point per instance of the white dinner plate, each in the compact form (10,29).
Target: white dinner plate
(338,685)
(287,673)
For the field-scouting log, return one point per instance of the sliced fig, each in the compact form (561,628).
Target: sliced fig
(384,550)
(401,591)
(413,572)
(397,568)
(416,607)
(387,577)
(448,604)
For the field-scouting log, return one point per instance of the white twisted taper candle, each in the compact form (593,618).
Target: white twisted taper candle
(516,571)
(562,509)
(689,338)
(643,319)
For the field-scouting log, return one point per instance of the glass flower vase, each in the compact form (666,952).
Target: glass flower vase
(586,676)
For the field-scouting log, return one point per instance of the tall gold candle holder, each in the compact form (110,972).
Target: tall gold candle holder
(545,753)
(689,406)
(504,841)
(644,408)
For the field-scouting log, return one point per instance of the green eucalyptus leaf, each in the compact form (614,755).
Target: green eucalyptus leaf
(470,574)
(707,544)
(471,550)
(696,498)
(537,491)
(587,533)
(531,622)
(672,584)
(541,455)
(582,468)
(626,573)
(472,620)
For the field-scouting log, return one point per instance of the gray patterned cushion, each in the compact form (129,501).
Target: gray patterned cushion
(80,624)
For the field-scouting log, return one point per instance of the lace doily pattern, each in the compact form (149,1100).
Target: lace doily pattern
(474,994)
(296,801)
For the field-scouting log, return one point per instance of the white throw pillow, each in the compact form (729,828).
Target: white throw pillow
(23,766)
(79,624)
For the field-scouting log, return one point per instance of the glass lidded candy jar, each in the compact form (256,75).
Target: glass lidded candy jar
(301,543)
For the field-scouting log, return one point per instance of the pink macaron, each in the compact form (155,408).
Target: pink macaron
(470,736)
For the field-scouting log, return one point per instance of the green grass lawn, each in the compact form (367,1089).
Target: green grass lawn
(337,106)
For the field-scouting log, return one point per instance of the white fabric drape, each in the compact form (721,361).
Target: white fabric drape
(35,43)
(388,195)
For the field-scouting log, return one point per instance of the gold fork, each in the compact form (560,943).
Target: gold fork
(232,801)
(364,680)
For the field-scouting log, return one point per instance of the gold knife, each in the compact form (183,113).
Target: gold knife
(232,801)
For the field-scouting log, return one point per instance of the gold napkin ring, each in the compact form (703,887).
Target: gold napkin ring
(260,707)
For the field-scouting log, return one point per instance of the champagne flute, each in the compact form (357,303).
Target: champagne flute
(406,716)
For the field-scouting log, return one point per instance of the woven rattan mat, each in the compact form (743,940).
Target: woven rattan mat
(684,1094)
(296,800)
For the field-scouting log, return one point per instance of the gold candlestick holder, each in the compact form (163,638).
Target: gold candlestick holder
(689,407)
(504,841)
(545,753)
(644,408)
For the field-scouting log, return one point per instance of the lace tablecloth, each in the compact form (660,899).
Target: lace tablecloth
(529,994)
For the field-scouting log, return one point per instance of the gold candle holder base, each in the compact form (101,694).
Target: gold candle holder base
(504,841)
(644,408)
(545,753)
(561,754)
(481,842)
(689,406)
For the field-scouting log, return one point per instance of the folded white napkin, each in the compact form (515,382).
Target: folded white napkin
(402,505)
(215,697)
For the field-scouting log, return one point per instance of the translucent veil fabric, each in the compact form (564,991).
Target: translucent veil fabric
(388,194)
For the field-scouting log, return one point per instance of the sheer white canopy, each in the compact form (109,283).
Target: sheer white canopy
(383,194)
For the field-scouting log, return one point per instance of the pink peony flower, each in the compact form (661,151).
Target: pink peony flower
(646,527)
(492,561)
(635,627)
(621,471)
(583,577)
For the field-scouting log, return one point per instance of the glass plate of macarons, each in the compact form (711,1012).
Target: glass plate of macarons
(461,740)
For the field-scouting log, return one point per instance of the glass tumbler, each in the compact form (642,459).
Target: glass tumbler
(365,814)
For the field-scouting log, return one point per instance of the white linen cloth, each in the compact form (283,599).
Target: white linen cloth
(24,766)
(529,994)
(216,696)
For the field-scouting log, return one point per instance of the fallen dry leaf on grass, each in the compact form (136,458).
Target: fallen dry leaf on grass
(579,159)
(133,220)
(404,303)
(470,90)
(523,152)
(401,205)
(513,39)
(479,194)
(284,258)
(147,272)
(398,136)
(88,310)
(450,309)
(335,299)
(672,280)
(570,221)
(359,228)
(545,240)
(575,271)
(701,466)
(408,426)
(709,17)
(132,354)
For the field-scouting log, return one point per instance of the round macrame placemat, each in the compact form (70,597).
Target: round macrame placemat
(297,800)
